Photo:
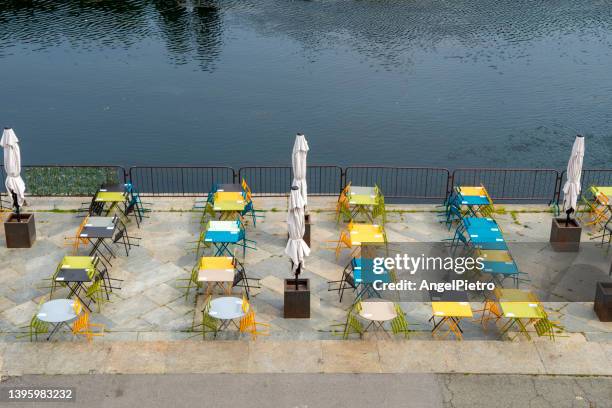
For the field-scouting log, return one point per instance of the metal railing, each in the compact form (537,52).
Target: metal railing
(400,183)
(66,180)
(276,180)
(178,181)
(590,177)
(419,183)
(533,185)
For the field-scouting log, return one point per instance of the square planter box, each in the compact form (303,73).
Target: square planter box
(565,238)
(20,234)
(297,302)
(603,301)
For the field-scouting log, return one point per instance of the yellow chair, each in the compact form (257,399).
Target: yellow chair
(247,190)
(82,326)
(248,324)
(487,210)
(77,241)
(491,311)
(344,241)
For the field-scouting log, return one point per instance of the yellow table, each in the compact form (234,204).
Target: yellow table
(77,262)
(110,197)
(366,234)
(472,191)
(450,313)
(494,255)
(216,271)
(516,312)
(363,200)
(605,190)
(228,203)
(516,295)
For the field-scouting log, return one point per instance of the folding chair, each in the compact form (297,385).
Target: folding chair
(344,242)
(97,293)
(36,326)
(399,325)
(547,328)
(248,324)
(121,234)
(487,210)
(595,212)
(247,190)
(82,326)
(241,280)
(352,325)
(139,207)
(192,281)
(490,311)
(77,241)
(209,324)
(347,281)
(249,208)
(606,233)
(343,206)
(379,209)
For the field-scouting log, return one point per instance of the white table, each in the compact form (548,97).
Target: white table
(58,312)
(377,312)
(226,309)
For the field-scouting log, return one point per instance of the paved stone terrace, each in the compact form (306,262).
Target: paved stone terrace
(151,306)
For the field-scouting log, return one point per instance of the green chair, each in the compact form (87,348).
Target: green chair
(352,325)
(97,293)
(209,324)
(36,326)
(399,325)
(546,328)
(192,281)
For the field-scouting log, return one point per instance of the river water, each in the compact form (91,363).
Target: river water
(413,83)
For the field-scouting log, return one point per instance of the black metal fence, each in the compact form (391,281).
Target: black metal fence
(276,180)
(400,183)
(178,181)
(417,183)
(534,185)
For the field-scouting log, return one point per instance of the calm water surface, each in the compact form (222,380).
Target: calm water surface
(419,82)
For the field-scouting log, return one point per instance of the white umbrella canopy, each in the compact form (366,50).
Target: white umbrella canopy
(571,189)
(298,160)
(296,248)
(295,199)
(12,165)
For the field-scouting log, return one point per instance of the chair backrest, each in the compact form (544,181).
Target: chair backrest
(345,190)
(246,189)
(494,308)
(77,306)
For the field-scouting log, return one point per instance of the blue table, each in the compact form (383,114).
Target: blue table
(481,223)
(223,233)
(485,237)
(364,275)
(473,202)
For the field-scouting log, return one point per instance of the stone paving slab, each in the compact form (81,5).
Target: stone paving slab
(318,356)
(151,305)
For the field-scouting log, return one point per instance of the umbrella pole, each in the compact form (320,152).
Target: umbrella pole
(297,273)
(567,219)
(16,205)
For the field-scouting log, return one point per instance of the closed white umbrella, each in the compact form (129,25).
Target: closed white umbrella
(298,160)
(296,248)
(571,189)
(12,165)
